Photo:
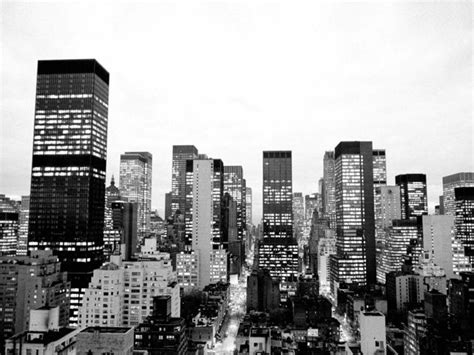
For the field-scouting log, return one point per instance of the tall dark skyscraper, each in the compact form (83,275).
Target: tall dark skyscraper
(328,192)
(181,153)
(355,226)
(464,222)
(413,196)
(68,172)
(278,251)
(450,182)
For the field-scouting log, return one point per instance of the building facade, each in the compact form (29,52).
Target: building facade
(451,182)
(235,185)
(181,153)
(413,195)
(135,186)
(68,169)
(329,187)
(464,220)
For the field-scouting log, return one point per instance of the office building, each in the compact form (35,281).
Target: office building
(23,222)
(397,241)
(204,218)
(325,248)
(181,153)
(278,251)
(111,235)
(413,195)
(9,226)
(161,333)
(464,220)
(438,237)
(380,167)
(415,331)
(125,222)
(298,215)
(450,183)
(235,186)
(31,282)
(248,205)
(313,202)
(404,290)
(263,291)
(372,333)
(329,187)
(187,270)
(105,340)
(168,198)
(68,169)
(135,186)
(354,261)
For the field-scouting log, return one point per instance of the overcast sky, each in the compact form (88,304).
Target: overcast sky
(238,77)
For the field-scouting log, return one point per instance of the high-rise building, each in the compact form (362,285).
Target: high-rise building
(298,214)
(415,331)
(235,185)
(355,226)
(278,251)
(263,291)
(24,220)
(248,205)
(329,184)
(450,183)
(31,282)
(125,221)
(438,237)
(168,198)
(397,241)
(464,220)
(373,338)
(111,235)
(380,167)
(68,170)
(413,196)
(9,226)
(181,153)
(135,186)
(204,218)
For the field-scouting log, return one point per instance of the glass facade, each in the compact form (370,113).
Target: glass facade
(278,252)
(413,195)
(68,170)
(355,228)
(449,184)
(181,153)
(135,186)
(235,185)
(464,220)
(329,185)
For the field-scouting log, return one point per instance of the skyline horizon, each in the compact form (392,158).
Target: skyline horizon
(235,79)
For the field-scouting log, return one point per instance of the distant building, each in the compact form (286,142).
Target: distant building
(31,282)
(125,222)
(111,235)
(235,185)
(355,224)
(248,205)
(373,338)
(298,215)
(263,292)
(326,248)
(329,188)
(105,340)
(450,183)
(9,226)
(413,195)
(168,199)
(404,290)
(160,333)
(187,270)
(464,221)
(135,186)
(181,153)
(23,220)
(278,251)
(415,330)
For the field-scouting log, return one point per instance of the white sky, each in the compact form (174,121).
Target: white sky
(238,77)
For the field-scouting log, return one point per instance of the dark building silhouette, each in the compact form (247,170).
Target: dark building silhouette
(464,220)
(125,221)
(278,251)
(168,213)
(68,170)
(181,153)
(263,291)
(413,195)
(161,334)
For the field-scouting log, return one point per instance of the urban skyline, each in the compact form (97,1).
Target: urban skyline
(310,107)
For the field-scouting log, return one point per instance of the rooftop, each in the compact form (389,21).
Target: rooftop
(107,330)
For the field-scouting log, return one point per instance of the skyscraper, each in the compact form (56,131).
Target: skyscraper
(298,214)
(168,213)
(24,220)
(278,251)
(451,182)
(135,186)
(355,227)
(464,221)
(111,235)
(413,196)
(380,167)
(329,194)
(204,218)
(248,205)
(68,170)
(9,226)
(234,184)
(181,153)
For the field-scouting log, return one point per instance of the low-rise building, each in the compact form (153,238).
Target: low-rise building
(105,340)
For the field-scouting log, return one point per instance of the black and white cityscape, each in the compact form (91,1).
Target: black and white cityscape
(347,230)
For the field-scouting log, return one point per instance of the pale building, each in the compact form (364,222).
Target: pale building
(187,270)
(326,248)
(372,333)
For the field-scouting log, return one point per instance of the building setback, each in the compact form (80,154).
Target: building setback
(68,170)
